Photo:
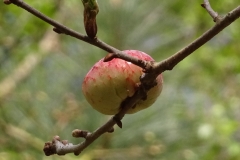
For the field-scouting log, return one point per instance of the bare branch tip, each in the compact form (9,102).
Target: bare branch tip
(207,6)
(49,148)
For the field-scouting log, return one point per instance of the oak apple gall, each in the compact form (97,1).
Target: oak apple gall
(107,84)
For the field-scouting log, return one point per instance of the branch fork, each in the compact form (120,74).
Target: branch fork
(206,5)
(151,69)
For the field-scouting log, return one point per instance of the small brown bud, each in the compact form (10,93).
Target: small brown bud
(7,2)
(90,23)
(90,13)
(118,121)
(57,30)
(111,130)
(80,133)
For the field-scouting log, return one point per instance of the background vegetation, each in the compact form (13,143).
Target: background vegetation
(196,117)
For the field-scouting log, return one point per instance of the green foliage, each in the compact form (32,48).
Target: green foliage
(195,118)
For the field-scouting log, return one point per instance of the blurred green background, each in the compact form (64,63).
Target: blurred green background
(196,117)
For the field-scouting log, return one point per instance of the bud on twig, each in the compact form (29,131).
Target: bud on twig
(90,12)
(80,133)
(111,130)
(7,2)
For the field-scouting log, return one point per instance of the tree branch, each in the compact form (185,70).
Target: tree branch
(59,28)
(209,9)
(57,147)
(172,61)
(158,68)
(147,80)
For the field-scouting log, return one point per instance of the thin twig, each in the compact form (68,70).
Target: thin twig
(153,69)
(209,9)
(160,67)
(171,62)
(62,149)
(59,28)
